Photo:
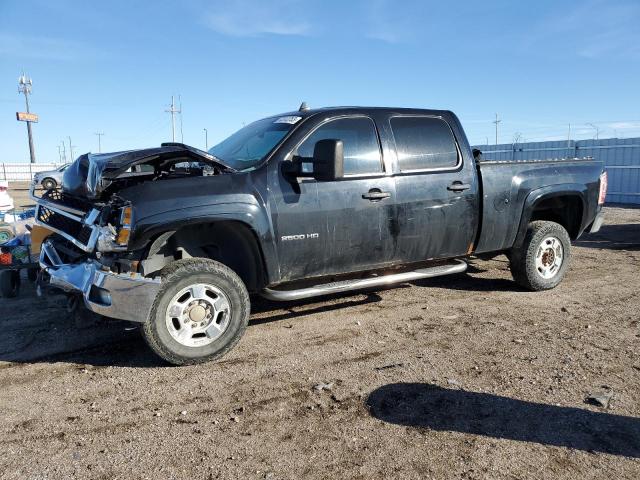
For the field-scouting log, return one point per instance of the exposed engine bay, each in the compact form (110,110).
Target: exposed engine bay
(89,217)
(96,176)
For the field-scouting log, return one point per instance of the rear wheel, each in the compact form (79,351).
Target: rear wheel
(200,312)
(542,260)
(49,184)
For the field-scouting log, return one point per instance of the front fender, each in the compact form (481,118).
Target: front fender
(249,214)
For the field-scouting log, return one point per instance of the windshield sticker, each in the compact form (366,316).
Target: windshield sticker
(290,119)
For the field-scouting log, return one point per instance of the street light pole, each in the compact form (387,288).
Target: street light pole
(24,86)
(206,139)
(597,129)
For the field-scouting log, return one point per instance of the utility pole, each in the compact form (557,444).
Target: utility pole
(173,110)
(59,154)
(180,111)
(496,121)
(64,152)
(597,129)
(99,134)
(70,149)
(24,86)
(206,139)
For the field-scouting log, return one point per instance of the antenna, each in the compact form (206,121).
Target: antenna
(303,107)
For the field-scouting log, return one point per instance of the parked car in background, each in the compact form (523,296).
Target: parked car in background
(50,179)
(6,202)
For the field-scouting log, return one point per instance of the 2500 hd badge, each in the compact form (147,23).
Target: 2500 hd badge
(302,236)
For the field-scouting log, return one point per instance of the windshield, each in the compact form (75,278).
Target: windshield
(246,148)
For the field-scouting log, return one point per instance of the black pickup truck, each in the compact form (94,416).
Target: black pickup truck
(307,203)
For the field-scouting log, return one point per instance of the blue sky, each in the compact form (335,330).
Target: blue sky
(113,66)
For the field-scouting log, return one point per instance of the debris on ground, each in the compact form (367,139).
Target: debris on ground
(323,386)
(393,365)
(599,399)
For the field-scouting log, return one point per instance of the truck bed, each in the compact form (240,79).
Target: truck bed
(506,185)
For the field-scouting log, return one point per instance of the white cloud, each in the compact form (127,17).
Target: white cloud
(249,18)
(599,29)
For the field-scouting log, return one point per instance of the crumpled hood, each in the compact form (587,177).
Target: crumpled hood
(92,173)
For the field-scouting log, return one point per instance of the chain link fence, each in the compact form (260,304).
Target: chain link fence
(23,172)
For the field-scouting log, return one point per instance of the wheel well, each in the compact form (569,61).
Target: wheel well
(566,210)
(231,243)
(47,178)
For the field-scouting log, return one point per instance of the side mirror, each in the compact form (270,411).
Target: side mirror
(328,160)
(326,164)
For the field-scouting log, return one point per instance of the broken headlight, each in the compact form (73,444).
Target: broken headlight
(112,239)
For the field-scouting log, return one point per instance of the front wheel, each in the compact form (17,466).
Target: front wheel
(49,184)
(199,314)
(541,262)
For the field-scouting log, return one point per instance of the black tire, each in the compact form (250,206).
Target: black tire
(178,276)
(49,184)
(522,260)
(9,283)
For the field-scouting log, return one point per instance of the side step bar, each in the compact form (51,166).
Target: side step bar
(458,266)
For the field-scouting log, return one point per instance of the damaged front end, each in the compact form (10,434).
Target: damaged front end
(88,253)
(126,296)
(80,257)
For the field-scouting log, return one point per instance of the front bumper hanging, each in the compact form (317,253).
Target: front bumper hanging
(122,296)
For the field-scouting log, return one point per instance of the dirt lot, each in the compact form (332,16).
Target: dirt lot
(460,377)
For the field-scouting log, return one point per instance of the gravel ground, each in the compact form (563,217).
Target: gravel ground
(459,377)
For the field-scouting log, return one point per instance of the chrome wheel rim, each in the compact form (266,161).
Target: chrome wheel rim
(549,257)
(198,314)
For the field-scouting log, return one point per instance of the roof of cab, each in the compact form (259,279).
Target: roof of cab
(355,109)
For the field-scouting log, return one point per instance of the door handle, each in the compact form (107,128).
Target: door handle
(458,186)
(375,195)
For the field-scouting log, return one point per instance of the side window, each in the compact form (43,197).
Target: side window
(358,135)
(423,143)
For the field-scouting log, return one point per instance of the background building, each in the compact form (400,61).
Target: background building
(621,158)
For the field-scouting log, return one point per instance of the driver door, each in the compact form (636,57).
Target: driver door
(341,226)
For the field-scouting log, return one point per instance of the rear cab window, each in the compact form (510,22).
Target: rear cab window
(360,142)
(424,143)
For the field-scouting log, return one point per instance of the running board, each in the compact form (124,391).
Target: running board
(346,285)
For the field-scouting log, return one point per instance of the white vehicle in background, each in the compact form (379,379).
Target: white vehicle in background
(6,202)
(50,179)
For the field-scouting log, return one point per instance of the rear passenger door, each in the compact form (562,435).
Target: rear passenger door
(436,190)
